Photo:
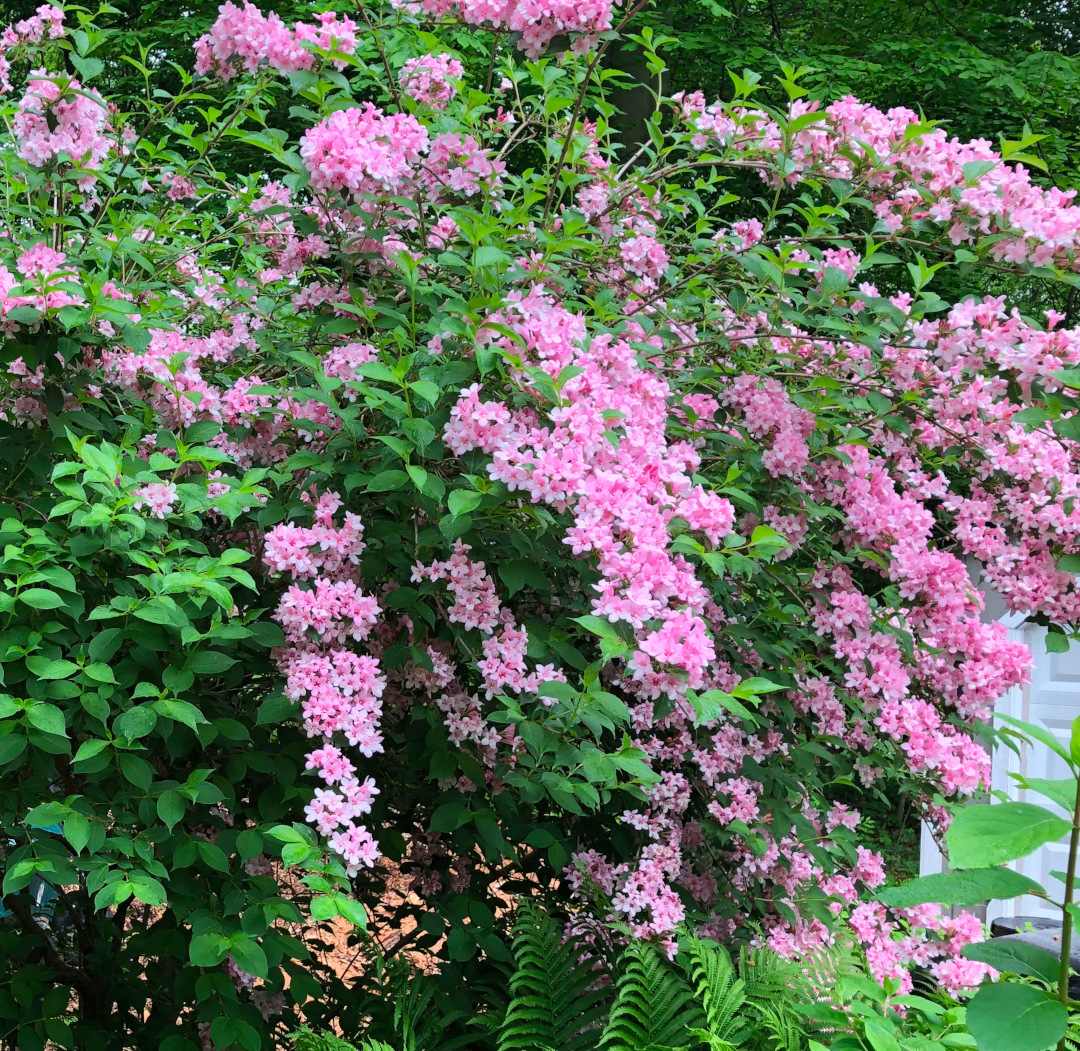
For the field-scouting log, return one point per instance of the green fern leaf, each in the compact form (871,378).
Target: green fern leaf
(307,1040)
(720,992)
(553,1005)
(654,1007)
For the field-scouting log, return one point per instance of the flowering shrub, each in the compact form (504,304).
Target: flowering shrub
(454,505)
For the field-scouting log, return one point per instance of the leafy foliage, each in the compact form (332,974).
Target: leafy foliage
(558,1001)
(579,524)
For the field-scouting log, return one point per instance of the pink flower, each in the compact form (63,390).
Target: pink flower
(431,79)
(157,497)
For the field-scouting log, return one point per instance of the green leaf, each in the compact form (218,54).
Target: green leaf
(880,1035)
(181,712)
(1007,1016)
(967,887)
(208,950)
(1016,958)
(77,831)
(1039,733)
(975,170)
(1056,642)
(754,686)
(249,955)
(488,255)
(99,673)
(427,390)
(47,717)
(138,771)
(276,708)
(137,722)
(58,669)
(709,706)
(88,68)
(170,808)
(517,573)
(598,626)
(40,598)
(462,501)
(286,834)
(88,749)
(210,662)
(1061,790)
(387,481)
(986,835)
(146,888)
(11,747)
(323,907)
(353,911)
(46,814)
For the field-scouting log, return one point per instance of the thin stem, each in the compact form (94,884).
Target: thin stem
(1066,916)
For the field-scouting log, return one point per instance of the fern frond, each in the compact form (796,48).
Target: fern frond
(413,993)
(783,1025)
(654,1006)
(718,989)
(553,1004)
(307,1040)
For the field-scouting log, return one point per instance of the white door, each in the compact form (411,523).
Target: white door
(1052,700)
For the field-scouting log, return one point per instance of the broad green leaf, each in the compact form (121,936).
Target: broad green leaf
(1016,958)
(967,887)
(170,807)
(58,669)
(47,717)
(210,662)
(709,706)
(880,1035)
(208,950)
(462,501)
(754,686)
(249,955)
(388,481)
(983,835)
(11,747)
(1062,790)
(77,831)
(46,814)
(323,907)
(1008,1016)
(598,626)
(352,910)
(40,598)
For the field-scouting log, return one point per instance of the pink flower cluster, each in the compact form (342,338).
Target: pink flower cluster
(431,79)
(157,497)
(340,691)
(47,23)
(58,118)
(924,937)
(258,426)
(538,21)
(360,151)
(963,186)
(243,38)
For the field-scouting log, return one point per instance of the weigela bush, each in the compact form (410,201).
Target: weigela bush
(443,502)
